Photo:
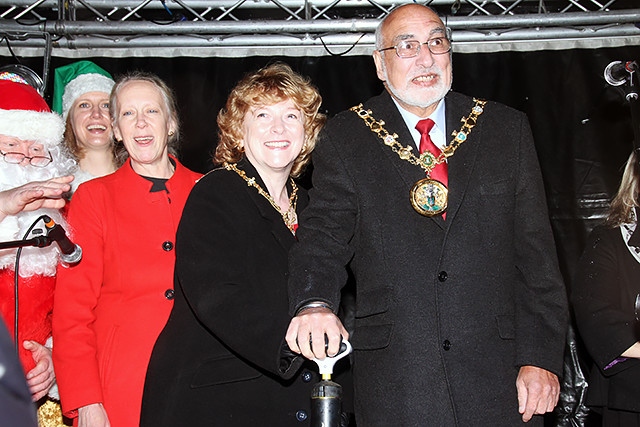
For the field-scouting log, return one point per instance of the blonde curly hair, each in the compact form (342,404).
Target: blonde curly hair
(621,208)
(269,85)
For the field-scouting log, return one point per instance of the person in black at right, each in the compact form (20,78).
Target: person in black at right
(605,297)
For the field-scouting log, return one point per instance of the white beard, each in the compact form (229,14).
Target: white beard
(33,260)
(423,98)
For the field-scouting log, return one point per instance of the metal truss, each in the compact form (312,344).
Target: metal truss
(232,28)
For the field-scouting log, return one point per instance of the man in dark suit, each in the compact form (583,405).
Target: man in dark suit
(460,320)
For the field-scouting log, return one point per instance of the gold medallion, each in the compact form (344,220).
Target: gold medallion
(429,197)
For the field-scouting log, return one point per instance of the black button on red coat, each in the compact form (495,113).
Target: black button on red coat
(169,294)
(167,246)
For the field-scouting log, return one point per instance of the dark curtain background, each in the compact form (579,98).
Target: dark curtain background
(582,126)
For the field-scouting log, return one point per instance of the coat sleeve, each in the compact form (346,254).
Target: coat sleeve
(605,327)
(77,292)
(541,300)
(232,271)
(318,262)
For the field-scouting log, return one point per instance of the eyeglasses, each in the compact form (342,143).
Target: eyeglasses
(411,48)
(17,158)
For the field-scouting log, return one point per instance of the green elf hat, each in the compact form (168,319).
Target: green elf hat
(78,78)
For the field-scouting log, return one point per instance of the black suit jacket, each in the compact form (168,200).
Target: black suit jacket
(603,297)
(217,362)
(446,311)
(16,407)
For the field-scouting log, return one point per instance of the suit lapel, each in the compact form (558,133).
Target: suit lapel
(384,109)
(462,163)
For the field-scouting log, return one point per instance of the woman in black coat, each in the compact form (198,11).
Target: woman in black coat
(219,361)
(604,298)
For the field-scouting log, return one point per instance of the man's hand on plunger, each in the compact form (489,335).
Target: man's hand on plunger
(311,328)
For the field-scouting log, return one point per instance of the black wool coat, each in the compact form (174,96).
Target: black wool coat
(16,407)
(218,360)
(603,297)
(446,311)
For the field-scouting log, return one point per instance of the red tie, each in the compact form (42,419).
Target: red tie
(439,172)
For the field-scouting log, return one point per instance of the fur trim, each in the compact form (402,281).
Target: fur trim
(33,260)
(43,127)
(82,84)
(8,230)
(79,177)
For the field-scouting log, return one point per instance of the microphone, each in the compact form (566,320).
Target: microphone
(70,253)
(618,72)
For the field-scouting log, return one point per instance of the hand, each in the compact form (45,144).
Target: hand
(42,377)
(93,415)
(307,331)
(538,391)
(34,195)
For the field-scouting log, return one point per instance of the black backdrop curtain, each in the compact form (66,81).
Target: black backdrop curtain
(582,126)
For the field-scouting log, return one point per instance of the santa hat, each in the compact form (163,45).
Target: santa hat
(24,114)
(22,74)
(74,80)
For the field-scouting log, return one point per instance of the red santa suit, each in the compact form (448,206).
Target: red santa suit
(26,116)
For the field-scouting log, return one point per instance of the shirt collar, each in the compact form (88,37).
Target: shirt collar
(437,133)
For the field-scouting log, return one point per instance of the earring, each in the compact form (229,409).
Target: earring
(171,133)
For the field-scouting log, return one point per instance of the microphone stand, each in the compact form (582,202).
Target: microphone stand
(38,241)
(631,95)
(634,106)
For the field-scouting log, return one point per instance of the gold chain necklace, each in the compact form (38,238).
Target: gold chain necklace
(428,196)
(289,217)
(427,160)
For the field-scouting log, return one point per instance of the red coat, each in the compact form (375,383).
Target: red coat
(110,307)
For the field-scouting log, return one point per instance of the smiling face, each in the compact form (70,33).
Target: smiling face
(143,124)
(417,83)
(273,137)
(89,118)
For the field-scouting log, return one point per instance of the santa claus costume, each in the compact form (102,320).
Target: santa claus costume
(25,115)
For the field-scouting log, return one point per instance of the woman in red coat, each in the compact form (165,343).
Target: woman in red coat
(111,306)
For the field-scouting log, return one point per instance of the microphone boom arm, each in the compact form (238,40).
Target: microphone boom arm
(38,241)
